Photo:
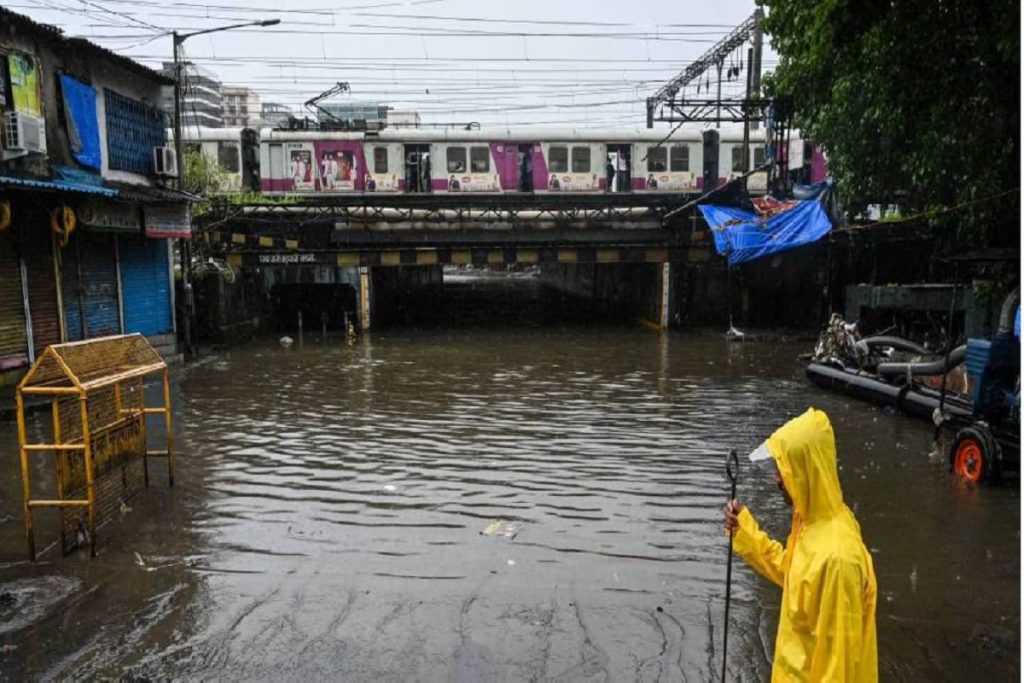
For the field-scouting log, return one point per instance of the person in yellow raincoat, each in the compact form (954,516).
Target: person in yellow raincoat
(827,618)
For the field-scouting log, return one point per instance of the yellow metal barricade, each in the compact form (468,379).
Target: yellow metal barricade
(96,391)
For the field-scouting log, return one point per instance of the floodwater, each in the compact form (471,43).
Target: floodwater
(521,503)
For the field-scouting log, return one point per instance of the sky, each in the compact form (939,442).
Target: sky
(454,61)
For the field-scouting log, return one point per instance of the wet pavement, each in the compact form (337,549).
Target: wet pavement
(334,517)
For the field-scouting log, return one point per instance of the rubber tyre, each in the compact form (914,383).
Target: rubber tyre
(975,456)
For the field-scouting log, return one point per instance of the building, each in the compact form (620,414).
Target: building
(355,115)
(275,115)
(241,106)
(85,223)
(404,118)
(202,101)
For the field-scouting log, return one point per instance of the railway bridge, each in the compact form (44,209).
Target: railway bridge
(600,243)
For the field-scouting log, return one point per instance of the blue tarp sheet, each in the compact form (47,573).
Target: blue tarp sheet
(743,236)
(83,126)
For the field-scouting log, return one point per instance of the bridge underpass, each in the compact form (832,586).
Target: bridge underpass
(619,250)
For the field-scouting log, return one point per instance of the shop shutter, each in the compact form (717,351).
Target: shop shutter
(13,342)
(71,290)
(42,286)
(99,281)
(145,285)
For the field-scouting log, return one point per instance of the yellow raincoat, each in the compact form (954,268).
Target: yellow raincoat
(827,620)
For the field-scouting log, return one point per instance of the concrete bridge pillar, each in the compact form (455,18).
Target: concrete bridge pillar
(665,296)
(365,298)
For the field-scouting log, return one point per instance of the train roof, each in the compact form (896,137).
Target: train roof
(428,135)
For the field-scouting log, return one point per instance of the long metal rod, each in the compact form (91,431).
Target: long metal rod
(26,487)
(167,423)
(718,111)
(143,411)
(90,488)
(732,466)
(949,350)
(58,457)
(179,154)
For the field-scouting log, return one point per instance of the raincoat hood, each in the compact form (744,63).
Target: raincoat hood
(804,449)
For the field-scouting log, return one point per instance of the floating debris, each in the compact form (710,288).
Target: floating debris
(499,528)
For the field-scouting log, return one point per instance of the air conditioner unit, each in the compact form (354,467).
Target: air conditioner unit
(24,133)
(165,162)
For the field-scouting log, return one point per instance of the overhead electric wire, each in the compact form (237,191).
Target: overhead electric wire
(512,88)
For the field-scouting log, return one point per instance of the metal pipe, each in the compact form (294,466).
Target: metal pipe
(939,418)
(894,342)
(25,483)
(167,422)
(927,368)
(90,488)
(58,458)
(58,503)
(732,471)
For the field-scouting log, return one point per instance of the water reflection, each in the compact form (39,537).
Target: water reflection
(331,504)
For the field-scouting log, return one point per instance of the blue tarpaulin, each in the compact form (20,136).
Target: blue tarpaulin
(743,236)
(83,127)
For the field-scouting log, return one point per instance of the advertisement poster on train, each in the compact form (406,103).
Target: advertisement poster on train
(301,169)
(573,182)
(340,164)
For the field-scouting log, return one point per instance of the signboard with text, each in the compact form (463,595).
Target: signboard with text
(169,220)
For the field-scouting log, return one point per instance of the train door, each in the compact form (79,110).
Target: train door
(620,168)
(417,168)
(276,175)
(525,158)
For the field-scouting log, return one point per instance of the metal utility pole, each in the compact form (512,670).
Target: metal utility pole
(718,112)
(747,124)
(754,65)
(668,104)
(184,245)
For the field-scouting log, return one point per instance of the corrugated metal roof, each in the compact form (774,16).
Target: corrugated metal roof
(56,34)
(59,186)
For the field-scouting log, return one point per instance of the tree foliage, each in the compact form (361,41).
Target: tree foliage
(206,178)
(917,102)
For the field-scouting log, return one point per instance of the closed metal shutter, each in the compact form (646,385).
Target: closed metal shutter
(13,342)
(99,284)
(145,285)
(89,286)
(42,286)
(71,290)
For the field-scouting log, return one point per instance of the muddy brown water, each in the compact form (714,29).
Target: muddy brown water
(328,520)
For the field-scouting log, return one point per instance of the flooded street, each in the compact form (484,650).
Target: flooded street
(498,504)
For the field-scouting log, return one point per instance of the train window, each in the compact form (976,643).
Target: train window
(679,159)
(456,157)
(581,160)
(758,156)
(558,159)
(380,159)
(737,159)
(480,159)
(227,156)
(657,159)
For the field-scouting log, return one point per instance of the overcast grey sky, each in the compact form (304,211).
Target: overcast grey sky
(452,60)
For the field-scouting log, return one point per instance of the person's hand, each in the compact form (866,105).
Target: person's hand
(732,515)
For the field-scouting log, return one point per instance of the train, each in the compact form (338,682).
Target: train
(534,160)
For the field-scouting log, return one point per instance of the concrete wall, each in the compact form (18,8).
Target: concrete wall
(623,290)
